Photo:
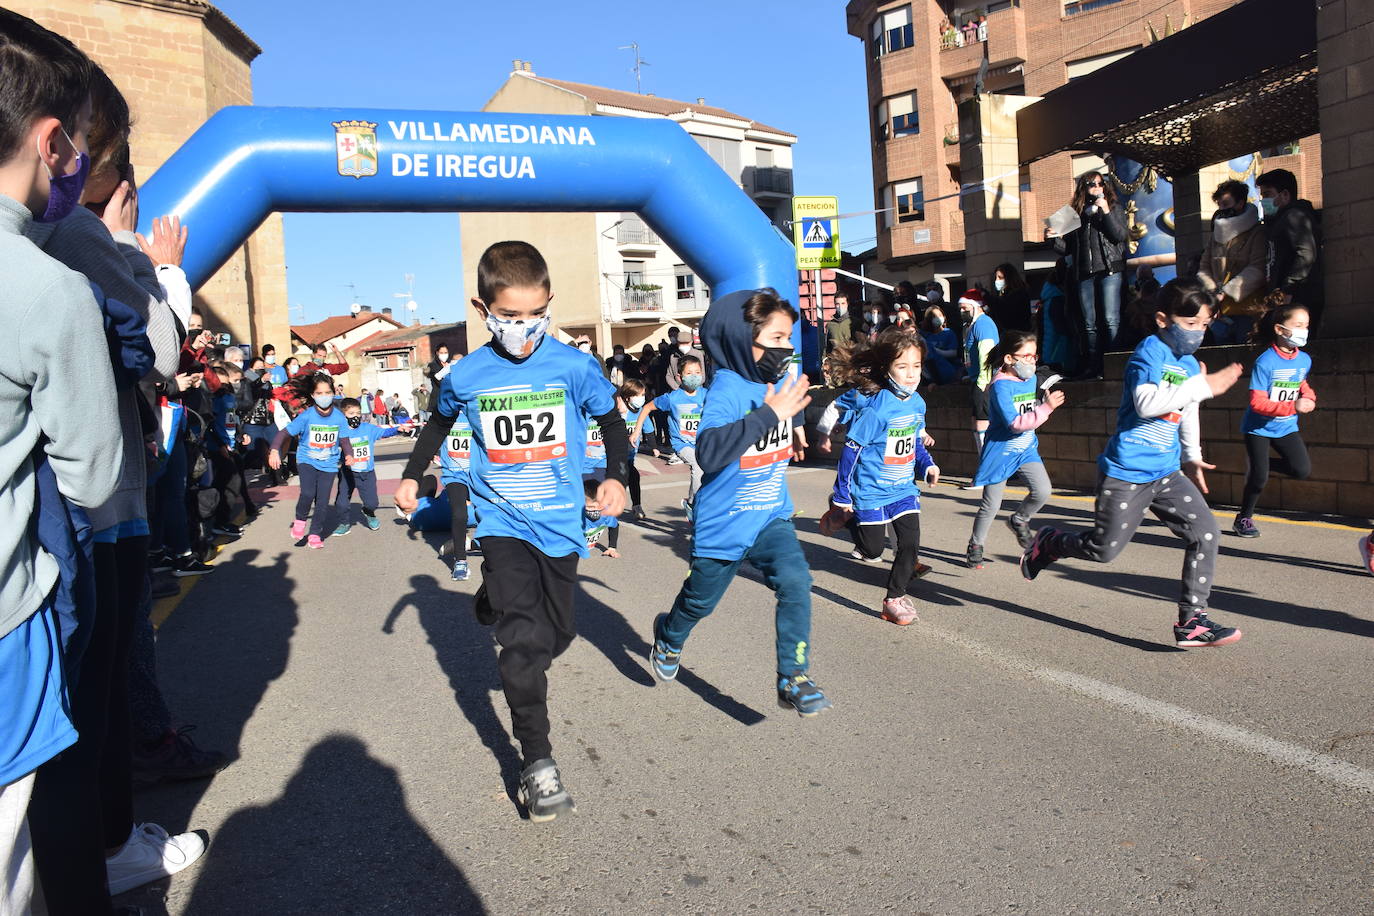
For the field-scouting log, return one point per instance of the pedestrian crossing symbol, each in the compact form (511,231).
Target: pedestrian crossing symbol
(815,233)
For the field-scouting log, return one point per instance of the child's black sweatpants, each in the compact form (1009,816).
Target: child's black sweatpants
(534,594)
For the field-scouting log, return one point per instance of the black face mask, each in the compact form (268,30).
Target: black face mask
(1227,213)
(355,422)
(772,365)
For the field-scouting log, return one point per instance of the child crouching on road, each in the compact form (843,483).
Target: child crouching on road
(875,483)
(743,511)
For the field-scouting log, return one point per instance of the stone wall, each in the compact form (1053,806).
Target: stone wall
(1339,433)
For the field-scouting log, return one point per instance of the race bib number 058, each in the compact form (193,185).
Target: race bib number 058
(525,426)
(774,446)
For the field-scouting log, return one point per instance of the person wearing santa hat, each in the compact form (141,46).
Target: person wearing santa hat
(979,340)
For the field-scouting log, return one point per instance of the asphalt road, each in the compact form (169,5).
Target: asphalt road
(1026,748)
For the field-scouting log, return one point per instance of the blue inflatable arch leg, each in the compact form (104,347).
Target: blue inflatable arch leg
(247,162)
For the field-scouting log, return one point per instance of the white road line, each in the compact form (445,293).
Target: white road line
(1285,753)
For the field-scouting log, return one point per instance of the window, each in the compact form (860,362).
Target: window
(1085,6)
(724,152)
(686,282)
(634,273)
(403,360)
(1292,148)
(1077,68)
(763,157)
(911,201)
(905,120)
(892,31)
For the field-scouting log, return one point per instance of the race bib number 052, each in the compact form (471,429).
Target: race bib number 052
(774,446)
(525,426)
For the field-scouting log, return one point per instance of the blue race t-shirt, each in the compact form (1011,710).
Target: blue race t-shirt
(595,457)
(361,442)
(528,440)
(1147,448)
(983,328)
(277,375)
(884,453)
(684,415)
(593,526)
(319,436)
(1004,449)
(1280,378)
(225,428)
(736,502)
(456,453)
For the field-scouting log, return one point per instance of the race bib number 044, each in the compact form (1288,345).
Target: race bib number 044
(525,426)
(774,446)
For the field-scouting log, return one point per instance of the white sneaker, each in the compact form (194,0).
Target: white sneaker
(149,854)
(863,559)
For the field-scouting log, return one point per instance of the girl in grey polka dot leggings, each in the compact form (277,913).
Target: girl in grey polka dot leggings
(1156,438)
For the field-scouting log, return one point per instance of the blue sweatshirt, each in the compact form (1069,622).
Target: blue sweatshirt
(456,453)
(225,426)
(1005,449)
(1280,379)
(361,440)
(319,435)
(883,455)
(528,440)
(684,415)
(1156,426)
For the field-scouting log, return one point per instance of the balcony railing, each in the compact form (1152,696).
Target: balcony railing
(641,300)
(633,232)
(1071,7)
(779,181)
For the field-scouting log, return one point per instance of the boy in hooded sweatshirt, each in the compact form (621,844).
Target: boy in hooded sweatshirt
(743,510)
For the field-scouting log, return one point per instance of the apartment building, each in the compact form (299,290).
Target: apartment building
(924,57)
(614,279)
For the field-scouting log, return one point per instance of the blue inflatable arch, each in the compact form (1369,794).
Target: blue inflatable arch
(247,162)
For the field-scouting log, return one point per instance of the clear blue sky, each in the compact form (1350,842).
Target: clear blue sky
(786,63)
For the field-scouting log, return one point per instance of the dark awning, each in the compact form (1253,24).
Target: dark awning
(1240,81)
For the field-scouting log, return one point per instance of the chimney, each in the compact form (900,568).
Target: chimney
(414,322)
(515,65)
(364,308)
(528,68)
(701,101)
(386,312)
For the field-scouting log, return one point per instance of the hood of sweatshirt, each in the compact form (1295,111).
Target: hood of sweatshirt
(1225,228)
(728,337)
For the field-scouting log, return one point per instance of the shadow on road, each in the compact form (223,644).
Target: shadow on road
(339,839)
(466,653)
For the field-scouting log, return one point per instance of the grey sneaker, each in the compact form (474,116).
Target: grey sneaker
(542,791)
(1245,527)
(973,556)
(1022,530)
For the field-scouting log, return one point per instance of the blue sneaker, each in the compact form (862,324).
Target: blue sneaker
(799,692)
(663,658)
(340,531)
(371,522)
(460,571)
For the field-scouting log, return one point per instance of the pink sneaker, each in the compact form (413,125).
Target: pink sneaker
(1367,552)
(314,543)
(899,610)
(298,529)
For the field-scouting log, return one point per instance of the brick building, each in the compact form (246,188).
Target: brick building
(918,74)
(178,62)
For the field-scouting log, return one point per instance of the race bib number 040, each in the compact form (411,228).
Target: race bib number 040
(323,437)
(525,426)
(774,446)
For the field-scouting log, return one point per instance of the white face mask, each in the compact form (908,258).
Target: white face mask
(636,403)
(684,347)
(585,347)
(518,336)
(443,356)
(1295,338)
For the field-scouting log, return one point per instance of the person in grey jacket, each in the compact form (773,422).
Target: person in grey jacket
(1097,255)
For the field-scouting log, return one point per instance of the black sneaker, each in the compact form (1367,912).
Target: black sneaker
(229,530)
(190,566)
(161,561)
(485,613)
(1201,631)
(1022,530)
(175,758)
(1245,527)
(542,791)
(973,556)
(1038,555)
(799,692)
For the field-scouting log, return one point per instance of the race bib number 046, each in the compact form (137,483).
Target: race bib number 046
(525,426)
(774,446)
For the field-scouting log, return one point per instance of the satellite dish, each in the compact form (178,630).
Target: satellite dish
(412,305)
(355,308)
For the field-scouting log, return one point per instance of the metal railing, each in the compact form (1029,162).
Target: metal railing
(634,232)
(641,300)
(776,180)
(1072,7)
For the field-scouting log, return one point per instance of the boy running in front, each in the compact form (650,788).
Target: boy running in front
(744,511)
(526,396)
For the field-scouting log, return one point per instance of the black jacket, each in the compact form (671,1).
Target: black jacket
(1291,234)
(1098,245)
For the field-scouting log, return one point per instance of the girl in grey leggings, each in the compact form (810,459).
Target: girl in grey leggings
(1015,411)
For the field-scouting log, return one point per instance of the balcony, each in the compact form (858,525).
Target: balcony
(691,302)
(769,181)
(1003,32)
(639,301)
(632,235)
